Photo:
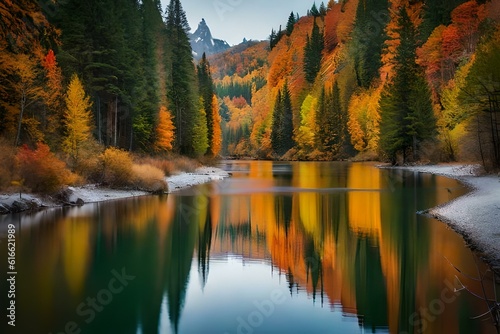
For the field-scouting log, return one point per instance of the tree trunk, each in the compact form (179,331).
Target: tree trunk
(21,112)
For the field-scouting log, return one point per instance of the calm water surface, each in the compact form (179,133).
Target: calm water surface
(277,248)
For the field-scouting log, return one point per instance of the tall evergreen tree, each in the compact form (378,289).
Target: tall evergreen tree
(435,13)
(147,81)
(282,127)
(322,9)
(276,134)
(368,39)
(313,53)
(272,39)
(207,91)
(314,11)
(182,82)
(287,121)
(406,109)
(331,122)
(290,24)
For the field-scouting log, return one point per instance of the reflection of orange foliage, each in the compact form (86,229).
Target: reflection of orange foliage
(76,253)
(364,200)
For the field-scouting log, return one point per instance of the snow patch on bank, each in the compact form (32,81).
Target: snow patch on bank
(476,215)
(201,175)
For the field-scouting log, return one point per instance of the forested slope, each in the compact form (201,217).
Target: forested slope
(392,80)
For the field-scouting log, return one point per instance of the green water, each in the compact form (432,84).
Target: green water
(276,248)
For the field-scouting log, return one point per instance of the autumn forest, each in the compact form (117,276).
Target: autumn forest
(402,81)
(91,85)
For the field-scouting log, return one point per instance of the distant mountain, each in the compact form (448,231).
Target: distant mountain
(202,41)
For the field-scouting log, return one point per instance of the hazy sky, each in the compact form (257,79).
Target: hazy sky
(232,20)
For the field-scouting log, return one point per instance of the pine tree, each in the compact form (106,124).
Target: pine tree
(147,37)
(314,10)
(435,13)
(313,53)
(77,119)
(290,24)
(207,91)
(368,39)
(406,109)
(272,39)
(287,121)
(182,82)
(322,9)
(282,127)
(331,122)
(276,134)
(200,131)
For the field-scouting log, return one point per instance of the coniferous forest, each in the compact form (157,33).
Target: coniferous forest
(85,84)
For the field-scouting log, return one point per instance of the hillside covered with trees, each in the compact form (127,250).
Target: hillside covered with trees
(393,80)
(85,83)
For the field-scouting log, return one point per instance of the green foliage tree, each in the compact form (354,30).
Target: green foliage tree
(273,40)
(406,109)
(322,9)
(276,135)
(435,13)
(368,39)
(314,11)
(290,24)
(480,98)
(182,94)
(282,126)
(331,122)
(287,121)
(200,131)
(313,53)
(207,91)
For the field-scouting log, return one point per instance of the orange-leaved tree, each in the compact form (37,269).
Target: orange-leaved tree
(53,93)
(19,90)
(216,144)
(164,130)
(41,170)
(77,119)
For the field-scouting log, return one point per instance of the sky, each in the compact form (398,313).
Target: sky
(233,20)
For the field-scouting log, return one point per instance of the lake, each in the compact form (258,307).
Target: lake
(303,247)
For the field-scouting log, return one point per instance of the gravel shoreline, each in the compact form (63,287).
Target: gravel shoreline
(476,215)
(12,203)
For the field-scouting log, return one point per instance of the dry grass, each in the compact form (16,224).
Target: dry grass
(117,167)
(90,165)
(170,165)
(166,166)
(149,178)
(184,164)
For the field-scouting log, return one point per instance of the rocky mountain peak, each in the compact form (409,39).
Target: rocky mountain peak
(203,42)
